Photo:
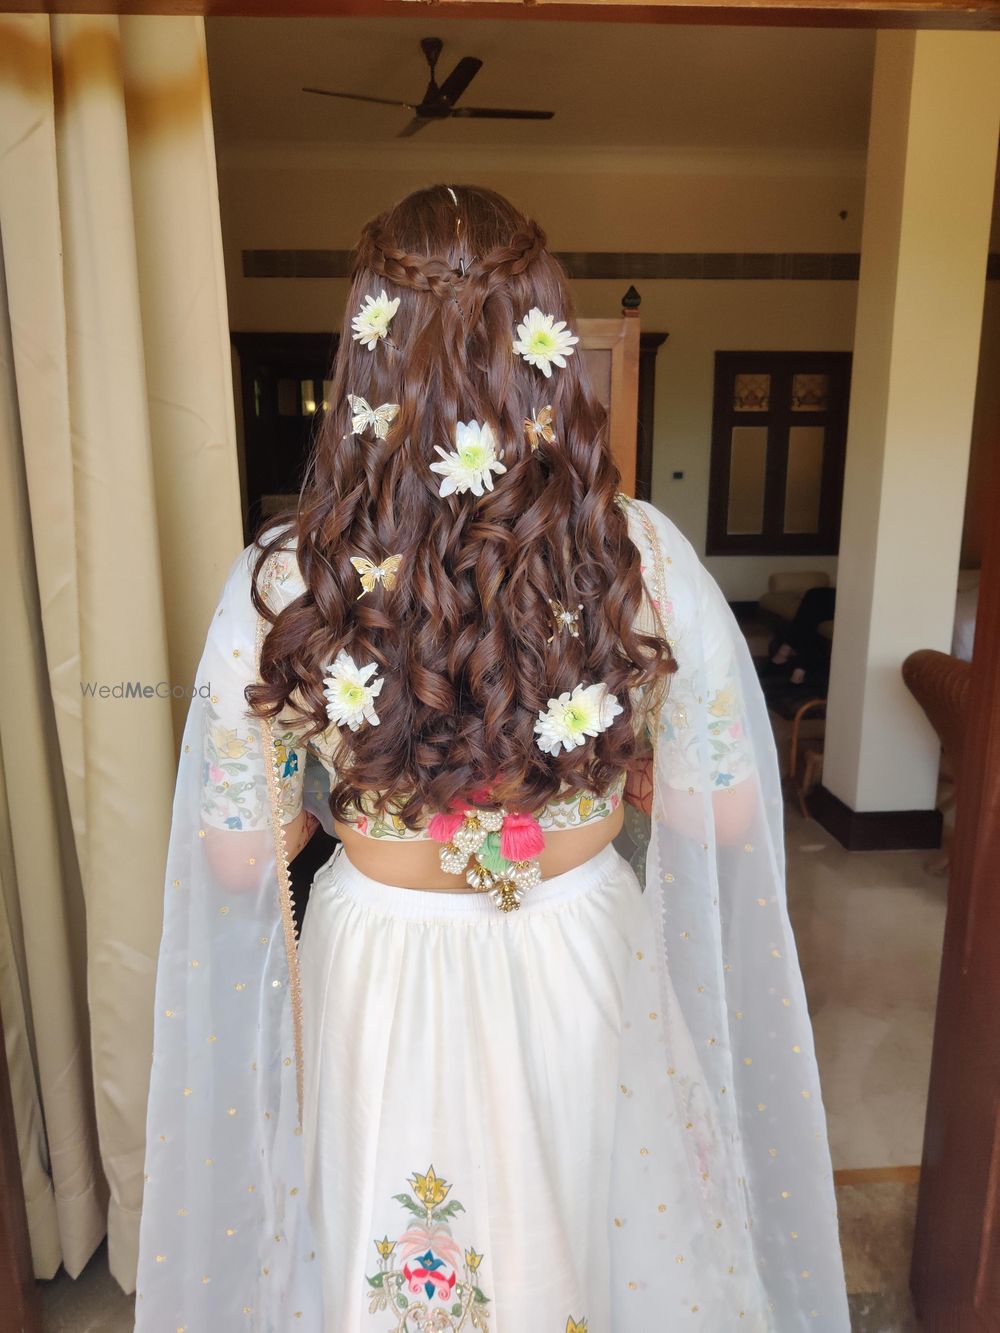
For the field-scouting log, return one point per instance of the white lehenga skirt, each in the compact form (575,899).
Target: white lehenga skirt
(461,1086)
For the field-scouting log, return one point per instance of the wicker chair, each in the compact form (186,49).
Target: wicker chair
(808,748)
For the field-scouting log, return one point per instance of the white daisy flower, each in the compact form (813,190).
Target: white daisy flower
(350,692)
(542,342)
(470,468)
(373,319)
(571,718)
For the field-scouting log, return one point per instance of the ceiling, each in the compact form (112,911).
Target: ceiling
(610,84)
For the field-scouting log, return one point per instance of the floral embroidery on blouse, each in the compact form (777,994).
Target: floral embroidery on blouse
(729,759)
(725,738)
(425,1280)
(233,788)
(562,812)
(234,783)
(581,807)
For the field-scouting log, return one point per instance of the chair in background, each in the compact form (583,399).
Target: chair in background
(806,751)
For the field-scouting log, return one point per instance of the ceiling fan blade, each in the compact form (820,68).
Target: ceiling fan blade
(415,125)
(460,78)
(498,113)
(360,97)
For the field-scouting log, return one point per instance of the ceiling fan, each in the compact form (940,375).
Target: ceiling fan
(438,102)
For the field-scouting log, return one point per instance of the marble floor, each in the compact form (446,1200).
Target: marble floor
(869,929)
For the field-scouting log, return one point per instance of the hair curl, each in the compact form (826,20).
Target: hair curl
(462,640)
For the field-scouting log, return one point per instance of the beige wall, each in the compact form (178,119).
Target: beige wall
(931,170)
(658,201)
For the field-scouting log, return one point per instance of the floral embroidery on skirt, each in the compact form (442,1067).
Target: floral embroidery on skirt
(423,1277)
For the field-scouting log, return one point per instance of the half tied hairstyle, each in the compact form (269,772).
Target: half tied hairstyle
(464,638)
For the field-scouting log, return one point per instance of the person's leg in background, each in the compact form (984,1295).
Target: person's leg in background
(802,639)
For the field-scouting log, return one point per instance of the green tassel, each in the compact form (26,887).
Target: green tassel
(489,856)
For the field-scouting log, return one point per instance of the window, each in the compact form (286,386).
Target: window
(779,429)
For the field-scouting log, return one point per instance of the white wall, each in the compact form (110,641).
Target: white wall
(679,202)
(931,172)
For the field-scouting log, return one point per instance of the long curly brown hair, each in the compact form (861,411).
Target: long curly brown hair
(465,641)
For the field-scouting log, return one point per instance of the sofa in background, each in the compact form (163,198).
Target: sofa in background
(785,592)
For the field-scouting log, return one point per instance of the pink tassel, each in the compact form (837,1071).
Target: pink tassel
(443,826)
(521,838)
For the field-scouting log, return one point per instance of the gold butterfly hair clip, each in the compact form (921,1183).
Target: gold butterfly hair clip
(540,428)
(565,619)
(376,419)
(386,573)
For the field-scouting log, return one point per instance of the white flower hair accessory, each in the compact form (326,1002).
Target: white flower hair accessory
(372,321)
(470,468)
(542,342)
(351,692)
(570,719)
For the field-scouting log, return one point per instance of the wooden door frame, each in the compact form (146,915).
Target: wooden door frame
(955,1275)
(620,337)
(973,14)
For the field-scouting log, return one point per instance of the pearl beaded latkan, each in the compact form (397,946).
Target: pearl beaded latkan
(465,852)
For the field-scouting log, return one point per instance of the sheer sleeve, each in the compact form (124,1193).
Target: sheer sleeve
(718,972)
(716,688)
(701,732)
(225,1239)
(234,784)
(234,792)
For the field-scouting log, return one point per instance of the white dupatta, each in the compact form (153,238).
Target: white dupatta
(226,1243)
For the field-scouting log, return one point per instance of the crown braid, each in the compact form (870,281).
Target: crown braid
(486,275)
(470,287)
(419,272)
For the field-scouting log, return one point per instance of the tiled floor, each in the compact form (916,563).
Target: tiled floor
(94,1303)
(876,1231)
(868,927)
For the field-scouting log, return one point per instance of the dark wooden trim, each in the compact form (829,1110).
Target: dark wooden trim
(623,265)
(778,419)
(955,1274)
(778,13)
(877,1175)
(875,830)
(836,266)
(279,355)
(649,345)
(22,1307)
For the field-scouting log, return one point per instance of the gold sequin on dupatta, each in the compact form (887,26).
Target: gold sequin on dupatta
(271,770)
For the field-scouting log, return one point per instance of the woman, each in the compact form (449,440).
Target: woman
(497,1084)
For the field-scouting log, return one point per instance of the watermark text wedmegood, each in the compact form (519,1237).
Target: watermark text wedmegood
(135,689)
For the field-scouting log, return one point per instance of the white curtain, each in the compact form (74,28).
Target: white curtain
(119,516)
